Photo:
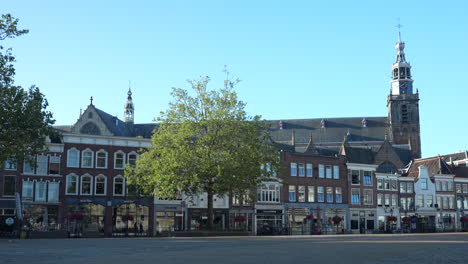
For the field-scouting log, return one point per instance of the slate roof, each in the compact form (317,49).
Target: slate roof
(436,165)
(462,155)
(360,155)
(334,131)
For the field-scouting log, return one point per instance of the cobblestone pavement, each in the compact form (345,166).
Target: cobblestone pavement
(370,249)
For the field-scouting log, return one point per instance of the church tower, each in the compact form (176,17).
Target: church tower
(403,104)
(129,109)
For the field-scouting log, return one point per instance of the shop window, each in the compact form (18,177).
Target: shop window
(73,158)
(101,159)
(9,185)
(87,158)
(355,196)
(72,184)
(119,160)
(370,224)
(132,157)
(354,224)
(328,172)
(119,185)
(53,192)
(329,194)
(320,194)
(367,178)
(54,165)
(293,169)
(311,194)
(355,177)
(309,170)
(338,195)
(292,193)
(28,191)
(336,172)
(321,171)
(86,185)
(40,191)
(100,182)
(301,194)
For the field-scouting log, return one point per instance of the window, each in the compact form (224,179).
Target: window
(42,163)
(444,186)
(367,177)
(54,165)
(451,203)
(402,187)
(386,184)
(410,187)
(301,194)
(394,185)
(321,171)
(355,177)
(320,194)
(53,192)
(28,191)
(438,186)
(86,184)
(268,193)
(394,200)
(410,203)
(119,160)
(328,172)
(387,199)
(72,158)
(446,202)
(338,195)
(311,194)
(450,186)
(9,185)
(292,193)
(355,196)
(293,169)
(100,185)
(119,185)
(439,202)
(458,188)
(336,172)
(403,203)
(28,165)
(329,194)
(72,184)
(420,200)
(301,170)
(424,184)
(309,170)
(379,199)
(380,184)
(465,188)
(10,164)
(101,159)
(429,201)
(132,157)
(40,192)
(87,159)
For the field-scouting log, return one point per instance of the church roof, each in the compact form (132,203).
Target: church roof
(332,131)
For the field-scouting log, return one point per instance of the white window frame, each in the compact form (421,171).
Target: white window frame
(33,160)
(83,158)
(77,158)
(309,168)
(36,193)
(292,190)
(123,161)
(340,193)
(301,170)
(336,172)
(311,194)
(271,191)
(96,182)
(136,157)
(123,185)
(321,169)
(42,160)
(90,184)
(293,169)
(11,164)
(77,184)
(49,189)
(106,159)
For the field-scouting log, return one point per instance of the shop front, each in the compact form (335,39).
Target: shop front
(41,218)
(241,220)
(130,218)
(388,219)
(169,218)
(446,221)
(198,219)
(270,222)
(8,219)
(362,221)
(86,217)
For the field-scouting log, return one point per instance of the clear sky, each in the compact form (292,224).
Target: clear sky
(296,59)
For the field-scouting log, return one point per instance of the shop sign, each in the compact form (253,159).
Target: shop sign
(179,214)
(86,201)
(9,221)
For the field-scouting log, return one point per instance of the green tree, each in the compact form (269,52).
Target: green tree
(206,144)
(24,122)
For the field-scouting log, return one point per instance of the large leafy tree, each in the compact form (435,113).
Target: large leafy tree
(24,121)
(206,143)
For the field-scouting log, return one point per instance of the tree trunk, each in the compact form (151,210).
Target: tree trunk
(210,209)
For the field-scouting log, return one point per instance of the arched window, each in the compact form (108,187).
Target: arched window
(101,159)
(86,184)
(72,184)
(87,157)
(100,185)
(90,129)
(119,185)
(119,160)
(132,157)
(73,156)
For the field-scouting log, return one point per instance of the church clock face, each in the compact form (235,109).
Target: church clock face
(403,88)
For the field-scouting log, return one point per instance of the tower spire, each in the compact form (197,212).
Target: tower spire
(129,109)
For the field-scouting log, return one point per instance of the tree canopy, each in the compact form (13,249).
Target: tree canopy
(206,143)
(24,121)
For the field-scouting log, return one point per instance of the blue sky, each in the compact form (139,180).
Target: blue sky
(296,59)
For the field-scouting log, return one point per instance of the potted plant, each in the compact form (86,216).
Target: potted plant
(391,218)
